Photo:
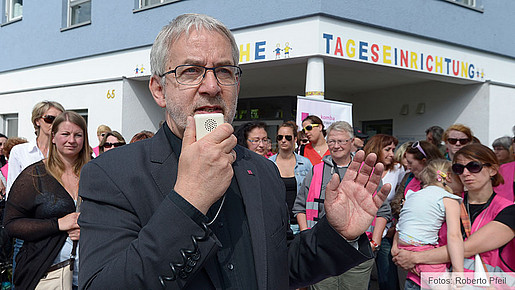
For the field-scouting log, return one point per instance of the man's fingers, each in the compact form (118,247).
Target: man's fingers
(375,178)
(189,133)
(354,166)
(366,169)
(382,194)
(332,187)
(220,133)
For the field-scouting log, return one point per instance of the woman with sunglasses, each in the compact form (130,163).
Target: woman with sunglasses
(317,146)
(292,167)
(111,140)
(381,233)
(43,115)
(41,208)
(455,137)
(491,217)
(101,132)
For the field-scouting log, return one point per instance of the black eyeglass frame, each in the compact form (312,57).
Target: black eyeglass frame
(238,74)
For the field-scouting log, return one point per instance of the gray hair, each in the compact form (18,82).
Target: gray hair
(341,126)
(182,25)
(504,142)
(437,132)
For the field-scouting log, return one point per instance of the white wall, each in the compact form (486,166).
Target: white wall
(139,112)
(92,97)
(445,104)
(502,112)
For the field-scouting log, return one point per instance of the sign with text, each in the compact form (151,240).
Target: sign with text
(328,111)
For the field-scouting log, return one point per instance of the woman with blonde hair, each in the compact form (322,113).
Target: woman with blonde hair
(101,132)
(41,209)
(424,213)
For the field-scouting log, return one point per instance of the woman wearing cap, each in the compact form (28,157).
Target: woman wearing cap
(455,137)
(491,218)
(317,146)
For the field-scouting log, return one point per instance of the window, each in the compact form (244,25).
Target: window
(83,113)
(150,3)
(10,124)
(79,11)
(471,4)
(13,9)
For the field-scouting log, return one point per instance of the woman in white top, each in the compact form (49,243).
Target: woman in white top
(383,146)
(23,155)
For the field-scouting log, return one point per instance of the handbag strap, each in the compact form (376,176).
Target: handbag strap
(73,254)
(465,221)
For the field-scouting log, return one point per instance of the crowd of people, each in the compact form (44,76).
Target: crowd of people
(320,210)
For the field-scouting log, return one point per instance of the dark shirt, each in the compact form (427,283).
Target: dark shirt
(236,267)
(507,216)
(291,194)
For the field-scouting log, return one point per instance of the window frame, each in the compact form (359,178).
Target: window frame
(70,5)
(476,5)
(139,5)
(6,121)
(9,11)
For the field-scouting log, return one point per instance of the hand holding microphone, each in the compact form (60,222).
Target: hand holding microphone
(205,165)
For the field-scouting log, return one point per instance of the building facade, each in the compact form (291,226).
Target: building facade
(404,65)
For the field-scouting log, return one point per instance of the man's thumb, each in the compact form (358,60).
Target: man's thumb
(189,135)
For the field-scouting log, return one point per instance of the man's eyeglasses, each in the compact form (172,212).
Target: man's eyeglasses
(304,140)
(192,75)
(453,141)
(340,142)
(257,141)
(280,137)
(310,127)
(49,119)
(109,145)
(472,167)
(417,146)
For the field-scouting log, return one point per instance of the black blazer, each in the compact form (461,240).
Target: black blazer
(131,230)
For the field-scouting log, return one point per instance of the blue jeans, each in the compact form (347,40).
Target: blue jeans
(386,270)
(410,285)
(17,246)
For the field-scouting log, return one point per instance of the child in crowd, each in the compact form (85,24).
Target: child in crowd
(423,214)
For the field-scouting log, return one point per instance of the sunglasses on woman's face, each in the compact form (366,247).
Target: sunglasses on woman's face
(310,127)
(472,167)
(453,141)
(109,145)
(49,119)
(280,137)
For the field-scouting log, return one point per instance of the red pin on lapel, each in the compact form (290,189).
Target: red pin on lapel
(250,172)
